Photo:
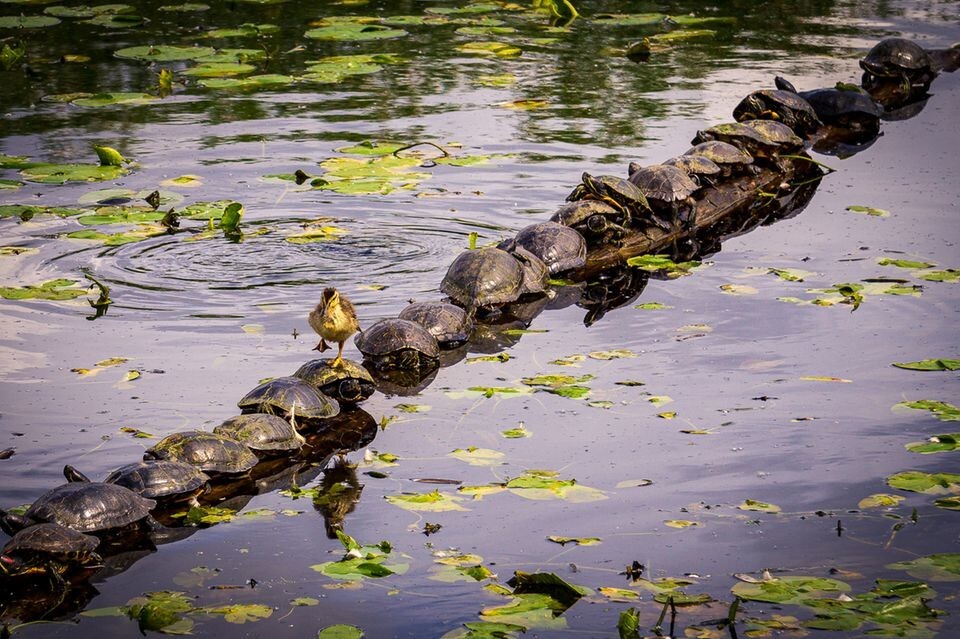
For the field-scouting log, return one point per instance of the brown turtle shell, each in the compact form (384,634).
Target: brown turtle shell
(159,478)
(391,336)
(349,382)
(560,247)
(483,277)
(90,506)
(289,396)
(664,183)
(450,324)
(263,433)
(207,451)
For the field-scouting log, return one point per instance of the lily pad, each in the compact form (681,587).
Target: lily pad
(354,32)
(241,613)
(789,589)
(917,481)
(164,53)
(250,82)
(426,502)
(56,289)
(27,22)
(110,99)
(547,485)
(936,444)
(944,411)
(930,365)
(478,456)
(938,567)
(491,48)
(580,541)
(63,173)
(880,500)
(868,210)
(340,631)
(662,264)
(753,504)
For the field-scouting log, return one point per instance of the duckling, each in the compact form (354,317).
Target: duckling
(333,319)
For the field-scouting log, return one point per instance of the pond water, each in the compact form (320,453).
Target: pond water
(727,393)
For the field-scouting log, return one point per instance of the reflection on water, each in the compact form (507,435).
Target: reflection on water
(204,320)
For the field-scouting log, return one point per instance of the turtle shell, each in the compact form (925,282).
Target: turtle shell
(724,155)
(842,107)
(289,396)
(777,132)
(483,277)
(158,478)
(536,274)
(740,136)
(694,165)
(448,323)
(263,433)
(32,548)
(893,57)
(560,247)
(207,451)
(90,506)
(775,104)
(664,183)
(577,213)
(398,343)
(349,382)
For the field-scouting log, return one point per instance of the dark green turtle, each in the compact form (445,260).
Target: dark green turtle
(898,58)
(264,434)
(782,106)
(619,193)
(209,452)
(349,382)
(560,247)
(450,324)
(669,191)
(844,106)
(153,479)
(487,277)
(84,507)
(700,169)
(47,548)
(597,221)
(730,159)
(778,133)
(291,398)
(399,344)
(536,274)
(741,136)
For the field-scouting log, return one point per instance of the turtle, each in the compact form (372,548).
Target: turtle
(450,324)
(845,106)
(47,548)
(399,344)
(265,434)
(484,277)
(742,137)
(700,168)
(209,452)
(669,190)
(560,247)
(898,58)
(597,221)
(781,106)
(153,479)
(777,132)
(85,507)
(621,194)
(729,158)
(536,274)
(291,398)
(348,383)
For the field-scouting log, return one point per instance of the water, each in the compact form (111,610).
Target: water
(204,321)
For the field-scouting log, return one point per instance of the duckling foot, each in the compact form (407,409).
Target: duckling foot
(322,346)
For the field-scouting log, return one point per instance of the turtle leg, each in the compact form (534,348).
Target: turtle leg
(322,346)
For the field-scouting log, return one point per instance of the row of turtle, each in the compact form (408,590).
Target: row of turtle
(58,530)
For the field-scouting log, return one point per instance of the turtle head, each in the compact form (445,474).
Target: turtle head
(12,523)
(73,475)
(11,566)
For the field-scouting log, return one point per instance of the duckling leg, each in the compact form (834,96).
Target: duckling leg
(338,360)
(322,346)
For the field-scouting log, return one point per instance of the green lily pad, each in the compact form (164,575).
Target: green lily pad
(753,504)
(228,56)
(110,99)
(116,21)
(936,444)
(63,173)
(244,30)
(205,210)
(57,290)
(930,365)
(219,69)
(580,541)
(880,500)
(186,7)
(681,34)
(790,274)
(491,48)
(164,53)
(478,456)
(241,613)
(547,485)
(917,481)
(652,306)
(662,263)
(27,22)
(910,264)
(120,215)
(14,251)
(317,233)
(143,232)
(944,411)
(948,503)
(868,210)
(249,82)
(161,611)
(938,567)
(28,211)
(354,32)
(948,275)
(426,502)
(340,631)
(789,590)
(516,433)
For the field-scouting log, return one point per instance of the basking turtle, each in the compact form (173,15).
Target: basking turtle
(536,274)
(597,221)
(291,398)
(742,137)
(209,452)
(898,58)
(781,106)
(47,548)
(84,507)
(448,323)
(153,479)
(486,277)
(347,383)
(778,133)
(669,192)
(729,158)
(619,193)
(264,434)
(560,247)
(845,106)
(700,169)
(399,344)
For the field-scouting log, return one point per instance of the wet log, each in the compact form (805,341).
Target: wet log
(714,204)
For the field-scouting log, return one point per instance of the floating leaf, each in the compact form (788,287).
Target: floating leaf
(738,289)
(580,541)
(491,48)
(928,483)
(939,567)
(516,433)
(668,414)
(753,504)
(936,444)
(412,408)
(657,263)
(63,173)
(659,400)
(880,500)
(426,502)
(57,289)
(948,503)
(614,354)
(354,31)
(241,613)
(930,365)
(910,264)
(249,82)
(219,69)
(110,99)
(944,411)
(478,456)
(164,53)
(824,378)
(490,391)
(544,484)
(634,483)
(27,22)
(652,306)
(790,274)
(340,631)
(8,251)
(129,376)
(948,275)
(524,105)
(498,80)
(680,523)
(570,360)
(868,210)
(317,233)
(789,590)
